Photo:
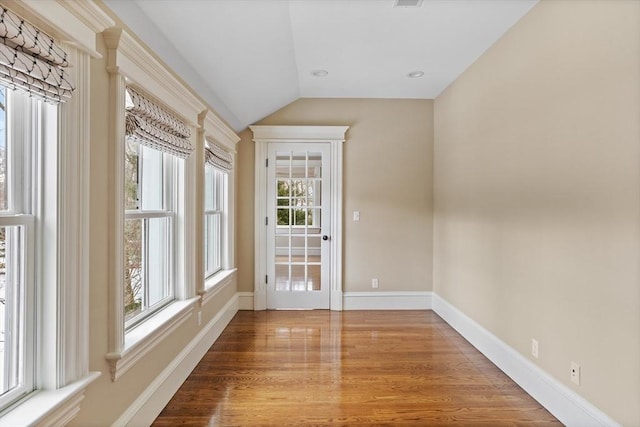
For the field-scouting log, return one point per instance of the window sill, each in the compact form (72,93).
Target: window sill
(49,407)
(143,338)
(214,284)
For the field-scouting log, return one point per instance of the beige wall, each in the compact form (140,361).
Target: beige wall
(387,177)
(537,195)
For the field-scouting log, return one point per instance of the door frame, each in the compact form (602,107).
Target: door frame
(262,136)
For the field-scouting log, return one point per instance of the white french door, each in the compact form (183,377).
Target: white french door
(298,225)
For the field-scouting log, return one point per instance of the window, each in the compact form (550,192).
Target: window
(155,139)
(215,211)
(152,257)
(149,221)
(21,126)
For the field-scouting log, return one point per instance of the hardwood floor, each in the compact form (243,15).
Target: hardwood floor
(276,368)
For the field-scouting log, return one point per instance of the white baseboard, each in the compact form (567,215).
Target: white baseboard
(387,300)
(245,300)
(144,410)
(566,405)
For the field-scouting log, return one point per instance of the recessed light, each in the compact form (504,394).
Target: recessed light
(320,73)
(415,74)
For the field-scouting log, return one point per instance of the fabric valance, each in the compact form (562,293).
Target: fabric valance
(153,126)
(218,156)
(31,61)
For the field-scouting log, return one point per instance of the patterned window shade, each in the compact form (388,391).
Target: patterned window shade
(153,126)
(31,61)
(218,156)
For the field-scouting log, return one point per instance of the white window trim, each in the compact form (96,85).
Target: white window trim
(63,336)
(262,135)
(128,62)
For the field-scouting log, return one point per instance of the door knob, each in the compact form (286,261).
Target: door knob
(325,237)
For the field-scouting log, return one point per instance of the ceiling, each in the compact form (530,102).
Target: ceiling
(249,58)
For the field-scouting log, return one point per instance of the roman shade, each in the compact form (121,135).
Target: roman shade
(31,61)
(217,156)
(153,126)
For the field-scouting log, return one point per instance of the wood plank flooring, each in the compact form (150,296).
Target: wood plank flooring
(293,368)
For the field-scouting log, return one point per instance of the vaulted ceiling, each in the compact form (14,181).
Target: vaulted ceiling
(249,58)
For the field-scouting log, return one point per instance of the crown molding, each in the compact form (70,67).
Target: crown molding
(299,133)
(141,69)
(216,129)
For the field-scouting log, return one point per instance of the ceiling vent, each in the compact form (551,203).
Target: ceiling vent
(407,3)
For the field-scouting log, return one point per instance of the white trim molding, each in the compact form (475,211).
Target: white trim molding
(262,136)
(153,399)
(387,300)
(298,133)
(566,405)
(216,129)
(143,338)
(245,301)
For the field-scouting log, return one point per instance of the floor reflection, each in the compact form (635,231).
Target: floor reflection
(276,368)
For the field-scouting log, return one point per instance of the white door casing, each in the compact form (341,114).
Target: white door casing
(332,137)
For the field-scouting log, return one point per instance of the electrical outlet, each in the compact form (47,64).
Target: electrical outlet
(534,347)
(374,283)
(575,373)
(356,215)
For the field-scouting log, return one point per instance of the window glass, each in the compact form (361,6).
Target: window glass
(152,179)
(12,307)
(209,188)
(148,254)
(3,150)
(133,271)
(131,155)
(214,219)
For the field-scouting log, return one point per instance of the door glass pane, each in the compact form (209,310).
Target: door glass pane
(300,216)
(284,217)
(314,277)
(298,277)
(313,247)
(283,282)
